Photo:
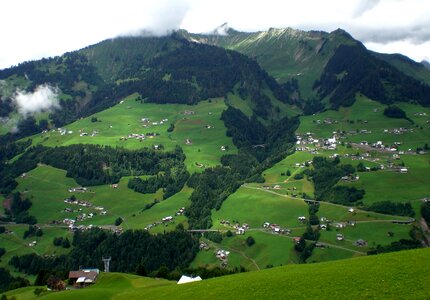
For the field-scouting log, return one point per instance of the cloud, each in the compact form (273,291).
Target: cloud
(45,30)
(161,18)
(364,6)
(167,16)
(43,99)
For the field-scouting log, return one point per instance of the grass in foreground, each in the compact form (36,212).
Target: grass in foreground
(400,275)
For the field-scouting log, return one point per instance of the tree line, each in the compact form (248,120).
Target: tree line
(174,250)
(325,174)
(95,164)
(352,69)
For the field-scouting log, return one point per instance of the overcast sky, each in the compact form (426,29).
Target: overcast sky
(32,29)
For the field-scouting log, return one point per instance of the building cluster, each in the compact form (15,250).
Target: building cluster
(148,123)
(304,141)
(222,255)
(164,220)
(93,133)
(275,228)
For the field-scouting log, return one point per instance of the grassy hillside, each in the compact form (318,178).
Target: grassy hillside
(364,121)
(190,122)
(400,275)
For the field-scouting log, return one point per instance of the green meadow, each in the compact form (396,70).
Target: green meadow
(269,250)
(199,123)
(15,244)
(47,187)
(386,276)
(255,206)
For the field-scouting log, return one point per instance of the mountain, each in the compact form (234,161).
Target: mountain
(325,66)
(174,155)
(163,70)
(287,54)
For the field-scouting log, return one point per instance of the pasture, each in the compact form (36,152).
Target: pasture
(387,276)
(199,124)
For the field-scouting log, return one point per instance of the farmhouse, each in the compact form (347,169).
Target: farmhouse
(84,277)
(167,219)
(340,225)
(180,211)
(222,254)
(203,246)
(296,239)
(240,230)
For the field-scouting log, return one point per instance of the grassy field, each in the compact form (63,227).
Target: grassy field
(47,187)
(15,244)
(255,206)
(400,275)
(269,250)
(126,118)
(397,187)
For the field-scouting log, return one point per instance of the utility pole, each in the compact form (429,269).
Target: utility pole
(106,261)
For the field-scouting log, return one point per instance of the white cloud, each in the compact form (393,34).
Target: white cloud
(43,99)
(34,29)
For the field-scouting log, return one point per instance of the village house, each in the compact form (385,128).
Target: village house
(79,189)
(167,219)
(203,246)
(296,239)
(240,230)
(222,254)
(180,211)
(340,225)
(83,277)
